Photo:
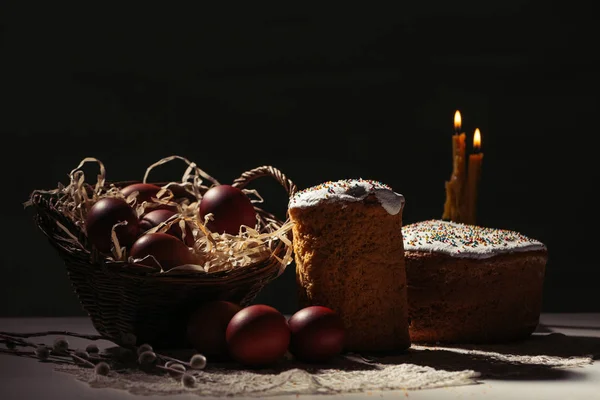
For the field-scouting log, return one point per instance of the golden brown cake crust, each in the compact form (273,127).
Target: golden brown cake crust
(349,257)
(470,300)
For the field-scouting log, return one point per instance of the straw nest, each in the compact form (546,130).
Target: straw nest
(215,252)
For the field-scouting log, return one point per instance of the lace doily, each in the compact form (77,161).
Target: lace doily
(421,367)
(346,376)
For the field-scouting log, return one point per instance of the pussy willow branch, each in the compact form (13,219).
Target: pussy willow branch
(60,333)
(17,338)
(31,354)
(53,357)
(18,353)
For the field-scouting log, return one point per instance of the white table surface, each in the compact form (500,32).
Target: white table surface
(25,378)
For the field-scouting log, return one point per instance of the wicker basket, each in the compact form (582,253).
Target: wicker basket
(123,301)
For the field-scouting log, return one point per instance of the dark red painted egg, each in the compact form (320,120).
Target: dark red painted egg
(103,215)
(231,208)
(180,193)
(207,326)
(317,334)
(157,217)
(258,335)
(169,251)
(146,191)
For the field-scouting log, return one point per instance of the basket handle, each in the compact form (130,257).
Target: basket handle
(265,170)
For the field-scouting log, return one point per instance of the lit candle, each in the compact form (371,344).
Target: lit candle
(474,175)
(454,187)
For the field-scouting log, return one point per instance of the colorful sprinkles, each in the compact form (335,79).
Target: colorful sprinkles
(464,240)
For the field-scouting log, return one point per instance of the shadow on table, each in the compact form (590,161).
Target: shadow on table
(543,356)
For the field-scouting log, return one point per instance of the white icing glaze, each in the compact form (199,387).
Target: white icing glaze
(348,190)
(467,241)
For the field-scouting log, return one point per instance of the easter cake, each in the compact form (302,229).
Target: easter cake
(348,251)
(472,284)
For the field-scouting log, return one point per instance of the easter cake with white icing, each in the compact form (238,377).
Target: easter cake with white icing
(472,284)
(348,250)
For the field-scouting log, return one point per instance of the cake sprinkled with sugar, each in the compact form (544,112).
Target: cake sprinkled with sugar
(461,240)
(348,190)
(347,238)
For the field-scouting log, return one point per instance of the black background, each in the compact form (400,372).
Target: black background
(321,92)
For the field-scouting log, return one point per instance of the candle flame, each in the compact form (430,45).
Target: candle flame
(477,140)
(457,121)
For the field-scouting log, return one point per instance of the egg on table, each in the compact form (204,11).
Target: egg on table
(317,334)
(207,326)
(258,335)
